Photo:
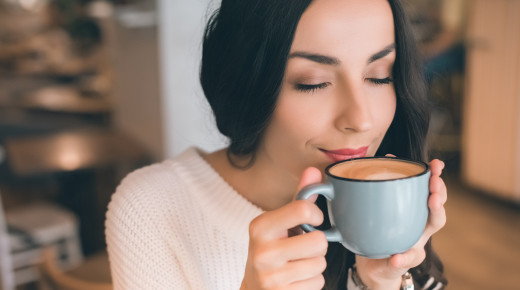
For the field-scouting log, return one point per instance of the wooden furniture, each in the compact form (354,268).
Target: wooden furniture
(87,165)
(491,117)
(53,277)
(25,231)
(64,99)
(69,151)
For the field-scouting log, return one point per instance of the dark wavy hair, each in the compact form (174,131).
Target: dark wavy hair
(245,50)
(244,53)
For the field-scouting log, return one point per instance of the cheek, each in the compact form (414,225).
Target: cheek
(384,112)
(297,120)
(288,134)
(388,112)
(294,120)
(384,109)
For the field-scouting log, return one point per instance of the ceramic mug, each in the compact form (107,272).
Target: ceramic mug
(378,206)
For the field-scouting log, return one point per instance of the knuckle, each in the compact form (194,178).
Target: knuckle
(443,220)
(419,257)
(262,257)
(322,264)
(308,212)
(304,210)
(255,228)
(266,282)
(271,281)
(441,181)
(444,192)
(320,282)
(319,240)
(440,220)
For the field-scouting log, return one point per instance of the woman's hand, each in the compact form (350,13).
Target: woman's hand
(384,273)
(278,260)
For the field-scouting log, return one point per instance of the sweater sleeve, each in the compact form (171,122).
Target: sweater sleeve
(140,258)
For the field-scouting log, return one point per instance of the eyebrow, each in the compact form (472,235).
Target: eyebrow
(329,60)
(378,55)
(323,59)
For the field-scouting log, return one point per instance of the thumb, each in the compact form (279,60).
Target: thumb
(310,176)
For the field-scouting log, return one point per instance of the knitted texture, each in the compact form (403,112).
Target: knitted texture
(178,225)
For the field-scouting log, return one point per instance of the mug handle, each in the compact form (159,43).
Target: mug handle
(332,234)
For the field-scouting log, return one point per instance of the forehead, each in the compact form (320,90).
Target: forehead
(347,29)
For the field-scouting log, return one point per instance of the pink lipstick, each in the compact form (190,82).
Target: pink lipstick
(344,154)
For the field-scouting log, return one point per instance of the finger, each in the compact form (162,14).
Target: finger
(366,266)
(436,220)
(409,259)
(310,175)
(298,271)
(316,282)
(299,247)
(437,216)
(275,224)
(438,187)
(390,155)
(436,167)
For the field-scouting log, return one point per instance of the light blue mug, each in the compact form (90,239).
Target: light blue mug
(377,205)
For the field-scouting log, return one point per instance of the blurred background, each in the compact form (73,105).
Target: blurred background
(93,89)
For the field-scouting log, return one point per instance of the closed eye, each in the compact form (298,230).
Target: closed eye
(377,81)
(311,88)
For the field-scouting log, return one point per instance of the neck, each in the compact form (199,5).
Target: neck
(263,183)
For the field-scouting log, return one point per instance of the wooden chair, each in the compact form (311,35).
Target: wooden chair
(52,277)
(32,227)
(25,230)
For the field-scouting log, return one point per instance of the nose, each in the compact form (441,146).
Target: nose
(354,111)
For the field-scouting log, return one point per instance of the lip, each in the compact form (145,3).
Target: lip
(345,154)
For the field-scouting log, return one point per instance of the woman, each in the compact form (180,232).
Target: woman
(295,85)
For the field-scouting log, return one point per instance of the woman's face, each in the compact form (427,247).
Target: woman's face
(337,99)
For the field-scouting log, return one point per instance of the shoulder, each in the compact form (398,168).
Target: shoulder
(145,225)
(148,183)
(149,191)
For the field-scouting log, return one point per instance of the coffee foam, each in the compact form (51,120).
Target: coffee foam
(376,169)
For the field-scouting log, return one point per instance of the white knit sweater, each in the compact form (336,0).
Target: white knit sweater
(178,225)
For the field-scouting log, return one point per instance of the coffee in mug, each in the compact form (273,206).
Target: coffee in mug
(376,169)
(377,205)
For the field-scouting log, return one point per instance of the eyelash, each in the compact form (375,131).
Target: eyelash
(313,88)
(378,82)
